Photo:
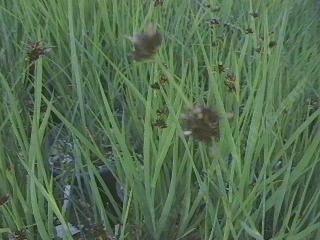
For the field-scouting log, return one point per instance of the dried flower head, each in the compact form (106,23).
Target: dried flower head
(4,199)
(313,104)
(202,123)
(248,30)
(161,83)
(272,44)
(230,81)
(158,3)
(214,22)
(97,231)
(160,123)
(163,112)
(221,68)
(254,14)
(19,235)
(37,50)
(146,44)
(258,49)
(155,86)
(163,80)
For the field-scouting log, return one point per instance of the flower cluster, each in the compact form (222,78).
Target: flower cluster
(202,123)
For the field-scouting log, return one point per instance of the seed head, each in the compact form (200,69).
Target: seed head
(146,44)
(202,123)
(37,50)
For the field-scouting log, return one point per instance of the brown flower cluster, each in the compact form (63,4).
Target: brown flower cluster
(146,44)
(37,50)
(202,123)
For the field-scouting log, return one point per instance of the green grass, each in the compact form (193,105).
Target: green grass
(259,181)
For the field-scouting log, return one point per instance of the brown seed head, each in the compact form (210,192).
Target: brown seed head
(202,123)
(254,14)
(158,3)
(146,44)
(4,199)
(19,235)
(37,50)
(214,22)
